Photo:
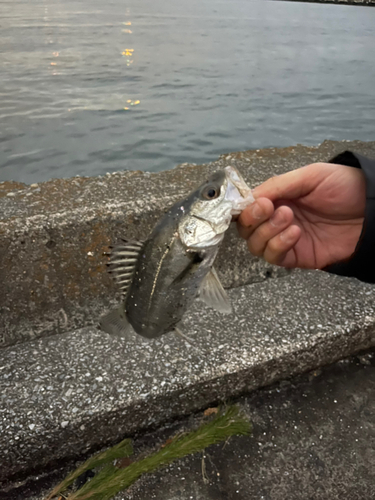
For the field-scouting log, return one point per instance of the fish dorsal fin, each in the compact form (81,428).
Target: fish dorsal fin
(213,294)
(122,263)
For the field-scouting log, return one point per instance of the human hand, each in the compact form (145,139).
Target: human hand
(310,218)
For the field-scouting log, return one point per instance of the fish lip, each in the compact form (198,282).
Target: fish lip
(233,176)
(236,184)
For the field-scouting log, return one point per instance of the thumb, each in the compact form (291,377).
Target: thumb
(288,186)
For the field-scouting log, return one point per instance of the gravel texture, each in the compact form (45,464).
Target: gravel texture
(66,394)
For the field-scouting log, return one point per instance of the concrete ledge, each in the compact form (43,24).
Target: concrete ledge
(53,235)
(64,395)
(365,3)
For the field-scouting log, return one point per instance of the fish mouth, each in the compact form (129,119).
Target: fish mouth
(237,191)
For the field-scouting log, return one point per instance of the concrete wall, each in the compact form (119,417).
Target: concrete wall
(366,3)
(54,236)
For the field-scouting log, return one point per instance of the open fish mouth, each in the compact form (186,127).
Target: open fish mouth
(237,191)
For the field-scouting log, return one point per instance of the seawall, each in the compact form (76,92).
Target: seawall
(67,388)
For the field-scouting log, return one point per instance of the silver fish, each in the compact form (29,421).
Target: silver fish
(162,276)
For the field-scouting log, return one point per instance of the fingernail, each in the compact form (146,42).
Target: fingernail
(277,219)
(256,211)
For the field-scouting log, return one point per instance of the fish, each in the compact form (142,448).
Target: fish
(162,276)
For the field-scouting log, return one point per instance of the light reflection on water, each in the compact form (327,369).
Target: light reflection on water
(89,87)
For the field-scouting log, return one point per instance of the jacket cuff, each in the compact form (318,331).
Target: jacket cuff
(361,264)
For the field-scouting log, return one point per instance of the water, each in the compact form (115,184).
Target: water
(199,78)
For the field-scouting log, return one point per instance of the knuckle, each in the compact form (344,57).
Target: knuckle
(265,232)
(274,248)
(273,179)
(241,231)
(254,249)
(245,234)
(245,218)
(273,258)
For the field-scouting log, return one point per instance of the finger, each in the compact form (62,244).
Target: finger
(279,249)
(253,216)
(280,220)
(291,185)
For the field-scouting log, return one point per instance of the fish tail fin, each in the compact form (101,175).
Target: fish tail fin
(115,323)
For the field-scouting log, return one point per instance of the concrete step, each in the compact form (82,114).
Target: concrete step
(66,394)
(313,438)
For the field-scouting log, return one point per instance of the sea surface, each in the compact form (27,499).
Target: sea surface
(89,87)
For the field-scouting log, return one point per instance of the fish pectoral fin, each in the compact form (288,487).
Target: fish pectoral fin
(213,294)
(115,323)
(122,263)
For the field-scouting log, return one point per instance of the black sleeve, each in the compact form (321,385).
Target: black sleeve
(361,264)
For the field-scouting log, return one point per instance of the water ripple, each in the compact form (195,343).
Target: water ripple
(192,80)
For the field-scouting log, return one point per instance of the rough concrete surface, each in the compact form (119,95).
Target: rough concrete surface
(313,438)
(365,3)
(64,395)
(53,235)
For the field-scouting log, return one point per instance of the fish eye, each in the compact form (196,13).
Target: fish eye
(210,193)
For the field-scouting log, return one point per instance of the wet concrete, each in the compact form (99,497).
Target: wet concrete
(53,236)
(313,438)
